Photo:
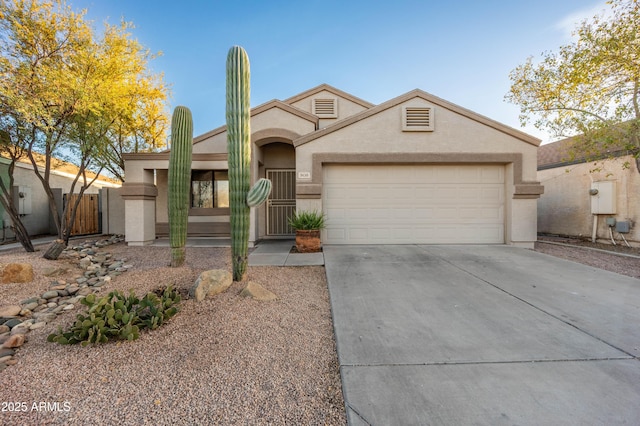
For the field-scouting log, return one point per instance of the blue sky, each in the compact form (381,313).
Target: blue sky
(461,51)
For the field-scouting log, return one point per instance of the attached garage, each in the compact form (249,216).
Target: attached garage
(414,204)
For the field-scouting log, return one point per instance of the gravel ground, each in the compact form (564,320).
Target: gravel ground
(227,360)
(603,257)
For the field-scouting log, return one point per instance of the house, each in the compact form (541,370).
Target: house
(572,207)
(31,199)
(414,169)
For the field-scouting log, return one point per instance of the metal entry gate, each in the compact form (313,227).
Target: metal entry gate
(281,204)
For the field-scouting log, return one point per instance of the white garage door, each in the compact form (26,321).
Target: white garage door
(414,204)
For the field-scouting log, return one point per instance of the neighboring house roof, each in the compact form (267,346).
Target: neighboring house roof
(562,153)
(429,98)
(63,168)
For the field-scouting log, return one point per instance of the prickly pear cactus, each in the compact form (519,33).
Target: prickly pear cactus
(239,151)
(179,181)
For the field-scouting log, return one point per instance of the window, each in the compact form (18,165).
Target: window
(417,119)
(209,189)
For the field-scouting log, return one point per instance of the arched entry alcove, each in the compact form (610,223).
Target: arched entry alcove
(276,158)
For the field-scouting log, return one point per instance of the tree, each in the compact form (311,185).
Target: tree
(77,93)
(12,148)
(588,89)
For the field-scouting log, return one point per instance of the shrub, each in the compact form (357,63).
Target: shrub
(117,316)
(307,220)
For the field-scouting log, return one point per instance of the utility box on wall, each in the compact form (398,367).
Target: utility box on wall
(22,199)
(603,197)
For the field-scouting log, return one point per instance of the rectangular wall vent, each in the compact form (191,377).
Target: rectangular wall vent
(417,119)
(325,108)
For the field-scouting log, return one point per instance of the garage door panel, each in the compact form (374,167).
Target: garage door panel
(428,204)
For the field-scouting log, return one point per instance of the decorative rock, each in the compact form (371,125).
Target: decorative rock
(49,294)
(37,325)
(85,291)
(81,280)
(20,329)
(13,322)
(68,307)
(51,305)
(58,286)
(6,352)
(44,316)
(29,300)
(10,311)
(85,262)
(75,300)
(30,306)
(4,329)
(17,273)
(14,341)
(210,283)
(257,292)
(72,289)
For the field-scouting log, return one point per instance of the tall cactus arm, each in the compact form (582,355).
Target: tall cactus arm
(259,193)
(179,181)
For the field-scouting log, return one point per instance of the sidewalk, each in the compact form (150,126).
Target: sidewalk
(36,242)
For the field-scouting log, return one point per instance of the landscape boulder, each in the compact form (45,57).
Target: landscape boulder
(257,292)
(10,311)
(17,273)
(210,283)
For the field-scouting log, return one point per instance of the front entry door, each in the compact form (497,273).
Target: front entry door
(281,204)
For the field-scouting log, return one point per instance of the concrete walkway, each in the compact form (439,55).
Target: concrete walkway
(483,335)
(265,252)
(278,253)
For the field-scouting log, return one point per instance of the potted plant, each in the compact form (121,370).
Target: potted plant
(307,225)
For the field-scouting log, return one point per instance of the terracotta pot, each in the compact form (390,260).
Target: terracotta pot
(308,241)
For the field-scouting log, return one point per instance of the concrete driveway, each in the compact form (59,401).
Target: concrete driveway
(483,335)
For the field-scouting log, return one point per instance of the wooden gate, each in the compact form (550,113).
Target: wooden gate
(86,216)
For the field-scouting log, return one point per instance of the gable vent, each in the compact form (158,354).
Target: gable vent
(417,119)
(325,108)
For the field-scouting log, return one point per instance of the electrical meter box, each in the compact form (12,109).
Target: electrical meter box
(603,200)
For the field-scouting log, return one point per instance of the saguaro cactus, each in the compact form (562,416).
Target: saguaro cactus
(239,151)
(179,181)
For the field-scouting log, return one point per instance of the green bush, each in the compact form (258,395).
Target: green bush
(117,316)
(307,220)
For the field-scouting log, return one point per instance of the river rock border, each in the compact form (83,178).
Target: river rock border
(63,295)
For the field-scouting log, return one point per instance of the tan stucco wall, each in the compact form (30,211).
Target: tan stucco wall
(565,207)
(454,134)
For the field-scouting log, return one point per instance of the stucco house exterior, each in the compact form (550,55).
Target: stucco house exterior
(31,198)
(571,207)
(414,169)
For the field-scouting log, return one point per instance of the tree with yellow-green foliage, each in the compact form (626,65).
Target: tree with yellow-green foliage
(589,88)
(82,98)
